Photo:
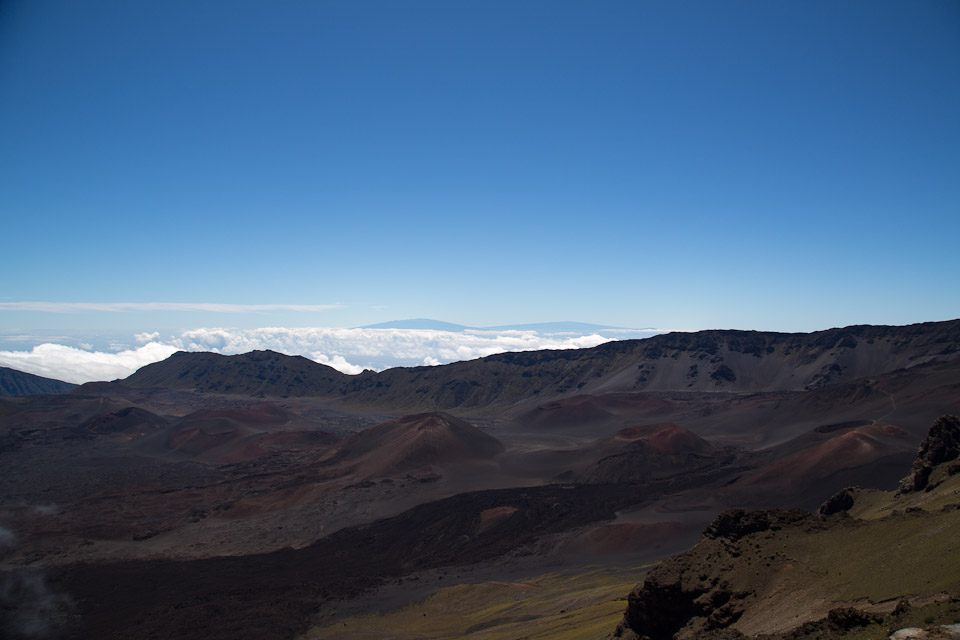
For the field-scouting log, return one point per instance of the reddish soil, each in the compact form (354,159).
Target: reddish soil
(412,442)
(665,438)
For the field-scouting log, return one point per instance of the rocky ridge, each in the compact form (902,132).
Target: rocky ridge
(20,383)
(729,361)
(941,445)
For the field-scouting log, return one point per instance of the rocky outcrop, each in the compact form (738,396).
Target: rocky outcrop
(677,597)
(836,625)
(680,598)
(941,445)
(839,502)
(734,524)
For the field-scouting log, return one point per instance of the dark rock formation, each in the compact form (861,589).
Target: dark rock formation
(841,501)
(734,524)
(675,596)
(722,373)
(680,595)
(941,445)
(903,608)
(837,623)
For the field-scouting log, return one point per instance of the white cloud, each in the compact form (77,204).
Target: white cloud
(347,350)
(337,362)
(72,307)
(76,365)
(378,348)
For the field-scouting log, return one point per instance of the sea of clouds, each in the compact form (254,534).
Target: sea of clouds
(347,350)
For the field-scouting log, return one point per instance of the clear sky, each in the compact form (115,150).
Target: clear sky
(683,165)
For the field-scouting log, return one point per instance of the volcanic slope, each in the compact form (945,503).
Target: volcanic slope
(267,483)
(20,383)
(235,434)
(412,442)
(870,562)
(378,472)
(127,423)
(635,454)
(639,453)
(731,361)
(875,451)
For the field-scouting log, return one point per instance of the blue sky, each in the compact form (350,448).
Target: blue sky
(783,165)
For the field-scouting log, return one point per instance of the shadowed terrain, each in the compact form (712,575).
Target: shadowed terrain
(19,383)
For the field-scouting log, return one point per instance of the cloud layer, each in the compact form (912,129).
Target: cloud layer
(78,365)
(348,350)
(377,348)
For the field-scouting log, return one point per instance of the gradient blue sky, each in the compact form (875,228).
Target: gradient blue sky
(757,165)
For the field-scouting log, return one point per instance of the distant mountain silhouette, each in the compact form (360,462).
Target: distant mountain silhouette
(253,373)
(20,383)
(726,361)
(418,323)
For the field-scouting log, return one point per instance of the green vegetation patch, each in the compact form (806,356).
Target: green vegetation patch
(872,503)
(900,555)
(562,606)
